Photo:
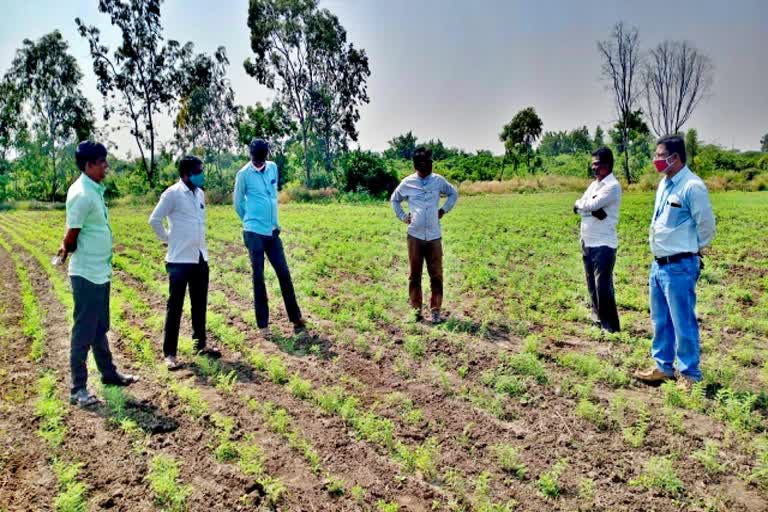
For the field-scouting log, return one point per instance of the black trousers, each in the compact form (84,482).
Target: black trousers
(181,275)
(272,247)
(598,267)
(89,331)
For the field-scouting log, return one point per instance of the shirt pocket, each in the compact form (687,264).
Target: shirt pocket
(673,211)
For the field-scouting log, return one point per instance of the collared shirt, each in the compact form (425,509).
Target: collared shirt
(255,198)
(86,209)
(683,220)
(605,194)
(423,196)
(185,211)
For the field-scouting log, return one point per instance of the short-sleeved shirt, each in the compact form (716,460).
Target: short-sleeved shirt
(86,209)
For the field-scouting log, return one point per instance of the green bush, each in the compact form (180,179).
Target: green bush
(367,171)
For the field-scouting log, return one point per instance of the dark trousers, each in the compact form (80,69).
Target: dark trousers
(89,331)
(598,267)
(272,246)
(181,275)
(431,252)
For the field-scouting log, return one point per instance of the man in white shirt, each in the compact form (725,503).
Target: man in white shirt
(683,224)
(422,191)
(183,204)
(599,210)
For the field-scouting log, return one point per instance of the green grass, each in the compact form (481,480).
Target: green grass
(507,281)
(508,459)
(51,411)
(72,495)
(659,475)
(709,457)
(549,481)
(163,478)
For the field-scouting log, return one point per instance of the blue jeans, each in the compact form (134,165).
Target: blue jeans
(673,304)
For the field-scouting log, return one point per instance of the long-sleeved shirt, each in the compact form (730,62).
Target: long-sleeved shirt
(605,194)
(683,220)
(423,196)
(86,210)
(255,198)
(185,211)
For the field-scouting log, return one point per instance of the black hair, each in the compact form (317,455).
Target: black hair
(259,150)
(604,156)
(188,165)
(88,151)
(673,144)
(421,154)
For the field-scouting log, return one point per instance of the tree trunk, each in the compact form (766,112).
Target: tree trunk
(501,174)
(306,155)
(52,153)
(626,159)
(528,159)
(54,180)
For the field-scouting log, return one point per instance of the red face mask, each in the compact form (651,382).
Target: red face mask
(662,164)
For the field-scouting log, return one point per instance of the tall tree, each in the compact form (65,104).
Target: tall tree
(11,120)
(48,80)
(580,140)
(621,65)
(676,78)
(639,143)
(519,134)
(138,81)
(764,143)
(598,140)
(207,117)
(271,123)
(301,51)
(691,147)
(402,146)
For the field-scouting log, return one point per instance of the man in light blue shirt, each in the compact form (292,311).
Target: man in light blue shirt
(255,201)
(422,190)
(683,224)
(89,240)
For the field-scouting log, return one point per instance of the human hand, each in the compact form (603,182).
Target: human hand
(408,219)
(62,253)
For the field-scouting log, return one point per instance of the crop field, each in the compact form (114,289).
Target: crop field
(516,402)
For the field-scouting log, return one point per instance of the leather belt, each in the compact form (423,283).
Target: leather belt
(674,258)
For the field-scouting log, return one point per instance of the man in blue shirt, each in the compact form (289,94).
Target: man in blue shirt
(682,226)
(422,191)
(255,201)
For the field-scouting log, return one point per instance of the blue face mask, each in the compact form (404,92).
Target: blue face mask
(197,180)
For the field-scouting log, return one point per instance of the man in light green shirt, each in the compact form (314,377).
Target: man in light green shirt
(89,240)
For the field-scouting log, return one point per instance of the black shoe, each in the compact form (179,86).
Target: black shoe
(121,379)
(209,351)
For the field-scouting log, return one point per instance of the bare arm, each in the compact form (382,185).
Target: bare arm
(68,244)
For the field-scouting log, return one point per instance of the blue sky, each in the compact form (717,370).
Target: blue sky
(459,70)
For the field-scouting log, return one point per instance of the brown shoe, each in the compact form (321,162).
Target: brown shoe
(652,376)
(685,384)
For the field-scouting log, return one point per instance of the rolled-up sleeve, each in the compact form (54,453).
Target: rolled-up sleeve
(238,197)
(701,211)
(396,200)
(451,193)
(161,211)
